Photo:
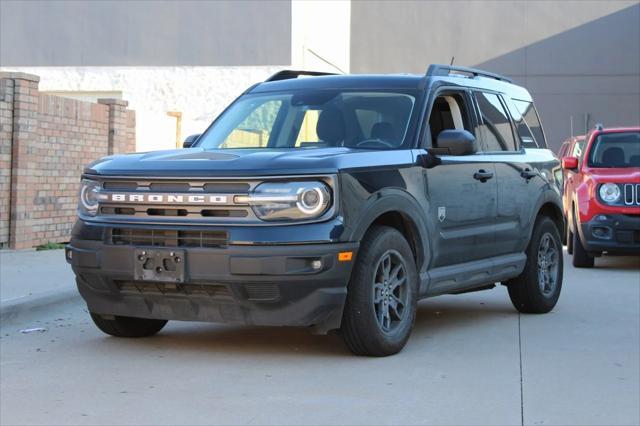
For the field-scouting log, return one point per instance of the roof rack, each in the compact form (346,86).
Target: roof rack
(288,74)
(445,70)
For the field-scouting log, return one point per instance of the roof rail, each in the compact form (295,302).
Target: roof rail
(445,70)
(288,74)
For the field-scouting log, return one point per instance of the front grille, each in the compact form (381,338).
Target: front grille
(175,200)
(632,194)
(169,238)
(174,289)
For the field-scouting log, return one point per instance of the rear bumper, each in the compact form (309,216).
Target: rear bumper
(259,285)
(612,233)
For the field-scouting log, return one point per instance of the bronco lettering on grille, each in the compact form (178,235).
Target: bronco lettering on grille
(168,199)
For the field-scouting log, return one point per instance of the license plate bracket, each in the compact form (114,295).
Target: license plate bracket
(165,265)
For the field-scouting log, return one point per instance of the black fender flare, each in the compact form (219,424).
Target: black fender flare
(395,200)
(551,197)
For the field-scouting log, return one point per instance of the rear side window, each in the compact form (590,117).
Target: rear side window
(578,149)
(530,116)
(495,131)
(522,129)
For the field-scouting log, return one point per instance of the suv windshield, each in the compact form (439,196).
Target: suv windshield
(616,150)
(313,119)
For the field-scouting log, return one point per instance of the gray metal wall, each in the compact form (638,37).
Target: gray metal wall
(152,33)
(578,59)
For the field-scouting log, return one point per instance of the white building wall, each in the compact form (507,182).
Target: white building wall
(321,28)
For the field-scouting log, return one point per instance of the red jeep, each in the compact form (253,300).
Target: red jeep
(602,193)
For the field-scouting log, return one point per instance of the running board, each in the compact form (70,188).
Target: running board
(463,277)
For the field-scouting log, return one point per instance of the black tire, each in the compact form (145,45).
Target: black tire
(128,326)
(581,259)
(531,292)
(569,238)
(371,325)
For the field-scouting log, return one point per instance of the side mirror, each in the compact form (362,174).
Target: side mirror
(456,142)
(190,140)
(569,163)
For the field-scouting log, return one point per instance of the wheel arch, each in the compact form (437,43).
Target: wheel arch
(550,205)
(402,212)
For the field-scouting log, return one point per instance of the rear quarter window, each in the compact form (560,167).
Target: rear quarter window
(530,120)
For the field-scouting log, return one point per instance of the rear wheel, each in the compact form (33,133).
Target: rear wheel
(537,289)
(127,326)
(381,299)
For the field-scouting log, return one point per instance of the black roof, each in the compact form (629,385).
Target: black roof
(287,80)
(350,81)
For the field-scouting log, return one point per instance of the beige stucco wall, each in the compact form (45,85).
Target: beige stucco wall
(579,59)
(200,93)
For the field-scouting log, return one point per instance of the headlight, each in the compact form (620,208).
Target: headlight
(273,201)
(609,193)
(89,197)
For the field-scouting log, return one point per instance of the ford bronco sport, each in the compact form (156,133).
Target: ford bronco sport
(331,202)
(602,194)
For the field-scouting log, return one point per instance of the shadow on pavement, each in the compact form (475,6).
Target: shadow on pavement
(435,318)
(618,262)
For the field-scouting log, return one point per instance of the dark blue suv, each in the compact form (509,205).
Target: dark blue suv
(331,201)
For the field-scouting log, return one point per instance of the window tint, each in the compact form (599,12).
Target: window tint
(495,131)
(255,129)
(528,112)
(449,112)
(522,129)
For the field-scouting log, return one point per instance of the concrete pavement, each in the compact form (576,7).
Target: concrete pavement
(32,279)
(472,359)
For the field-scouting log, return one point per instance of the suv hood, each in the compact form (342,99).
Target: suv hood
(246,162)
(615,175)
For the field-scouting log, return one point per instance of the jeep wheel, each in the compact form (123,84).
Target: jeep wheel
(537,289)
(382,293)
(581,259)
(128,326)
(569,238)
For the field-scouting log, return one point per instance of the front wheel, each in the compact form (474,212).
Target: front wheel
(537,289)
(127,326)
(581,258)
(382,294)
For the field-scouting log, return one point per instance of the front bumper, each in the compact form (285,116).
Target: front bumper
(611,233)
(259,285)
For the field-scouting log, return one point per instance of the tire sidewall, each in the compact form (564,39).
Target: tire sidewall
(543,226)
(382,240)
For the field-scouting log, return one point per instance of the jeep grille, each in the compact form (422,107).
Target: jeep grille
(632,194)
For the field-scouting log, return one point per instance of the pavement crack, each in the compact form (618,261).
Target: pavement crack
(521,387)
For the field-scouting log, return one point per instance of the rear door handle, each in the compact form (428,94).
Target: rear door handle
(529,174)
(482,175)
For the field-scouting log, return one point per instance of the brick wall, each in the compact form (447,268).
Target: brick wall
(6,135)
(45,142)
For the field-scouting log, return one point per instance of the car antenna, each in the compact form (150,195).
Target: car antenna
(452,59)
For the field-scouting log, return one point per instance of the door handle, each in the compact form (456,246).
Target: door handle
(529,174)
(482,175)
